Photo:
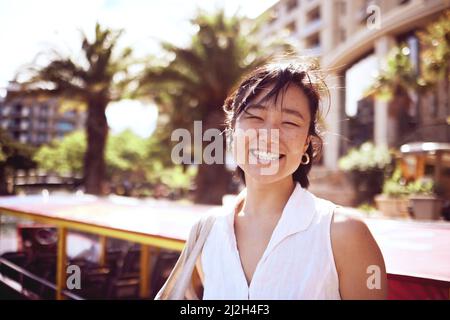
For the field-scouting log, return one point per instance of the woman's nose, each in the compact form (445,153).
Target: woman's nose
(271,124)
(269,138)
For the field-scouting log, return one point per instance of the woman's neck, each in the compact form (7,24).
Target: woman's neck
(266,199)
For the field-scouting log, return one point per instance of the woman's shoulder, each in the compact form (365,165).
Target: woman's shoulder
(354,247)
(346,224)
(348,227)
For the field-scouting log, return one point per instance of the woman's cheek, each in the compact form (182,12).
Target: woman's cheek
(243,133)
(239,146)
(295,142)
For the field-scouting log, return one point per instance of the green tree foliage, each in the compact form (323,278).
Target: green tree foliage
(13,156)
(435,56)
(397,76)
(366,157)
(64,157)
(129,157)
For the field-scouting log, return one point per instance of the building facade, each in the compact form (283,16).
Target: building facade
(36,122)
(352,38)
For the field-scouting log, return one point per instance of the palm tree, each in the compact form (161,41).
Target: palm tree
(90,84)
(398,75)
(194,84)
(435,57)
(394,84)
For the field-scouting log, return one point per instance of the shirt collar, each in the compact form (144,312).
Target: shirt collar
(297,215)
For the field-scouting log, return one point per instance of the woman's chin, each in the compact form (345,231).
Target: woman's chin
(267,172)
(262,174)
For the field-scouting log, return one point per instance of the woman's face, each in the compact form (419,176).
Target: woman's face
(270,139)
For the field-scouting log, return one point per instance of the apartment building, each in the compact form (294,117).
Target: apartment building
(352,38)
(36,122)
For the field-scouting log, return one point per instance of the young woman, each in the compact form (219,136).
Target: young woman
(280,241)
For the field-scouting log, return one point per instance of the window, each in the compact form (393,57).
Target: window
(43,110)
(41,137)
(313,41)
(291,27)
(313,15)
(42,124)
(291,5)
(4,110)
(17,109)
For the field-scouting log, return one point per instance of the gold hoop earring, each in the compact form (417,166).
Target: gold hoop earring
(307,159)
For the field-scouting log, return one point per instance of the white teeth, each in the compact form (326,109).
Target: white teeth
(266,156)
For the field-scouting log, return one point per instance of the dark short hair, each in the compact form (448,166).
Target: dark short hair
(302,73)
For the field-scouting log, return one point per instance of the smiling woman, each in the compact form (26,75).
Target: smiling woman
(282,98)
(280,241)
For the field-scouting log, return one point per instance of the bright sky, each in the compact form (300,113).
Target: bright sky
(28,27)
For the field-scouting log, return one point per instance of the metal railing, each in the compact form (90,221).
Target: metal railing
(23,273)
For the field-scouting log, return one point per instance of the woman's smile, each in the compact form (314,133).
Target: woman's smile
(265,157)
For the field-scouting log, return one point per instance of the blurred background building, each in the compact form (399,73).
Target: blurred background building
(352,39)
(36,122)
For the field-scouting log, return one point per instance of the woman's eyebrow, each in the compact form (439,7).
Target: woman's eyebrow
(286,110)
(294,112)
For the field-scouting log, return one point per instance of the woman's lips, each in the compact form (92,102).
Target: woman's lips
(265,156)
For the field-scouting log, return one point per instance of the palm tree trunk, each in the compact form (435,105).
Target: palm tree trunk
(94,159)
(447,98)
(3,180)
(447,90)
(212,180)
(212,183)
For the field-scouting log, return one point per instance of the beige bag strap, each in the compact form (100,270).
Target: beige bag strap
(179,282)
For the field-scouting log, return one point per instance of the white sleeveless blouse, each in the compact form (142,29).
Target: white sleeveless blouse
(298,262)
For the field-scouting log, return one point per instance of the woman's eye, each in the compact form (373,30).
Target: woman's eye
(254,117)
(291,124)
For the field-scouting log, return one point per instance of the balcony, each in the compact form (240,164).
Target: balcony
(312,27)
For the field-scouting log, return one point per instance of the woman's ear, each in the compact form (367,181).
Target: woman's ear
(307,142)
